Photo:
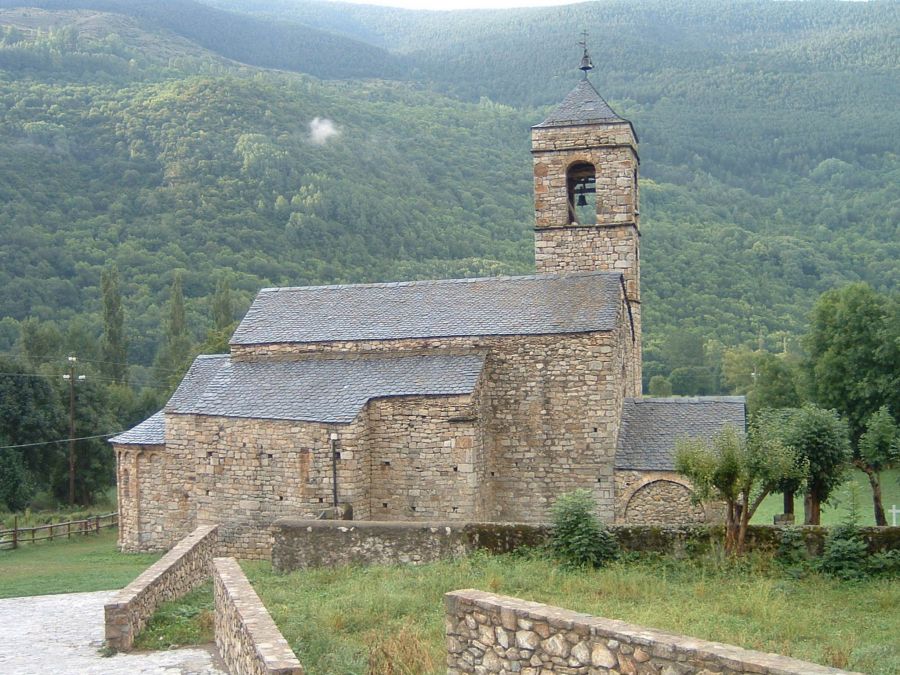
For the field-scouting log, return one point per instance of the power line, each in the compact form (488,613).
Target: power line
(61,440)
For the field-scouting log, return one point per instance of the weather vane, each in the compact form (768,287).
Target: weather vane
(586,64)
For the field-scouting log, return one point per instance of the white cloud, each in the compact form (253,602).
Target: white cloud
(321,129)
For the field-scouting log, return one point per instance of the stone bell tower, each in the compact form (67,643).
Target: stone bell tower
(586,195)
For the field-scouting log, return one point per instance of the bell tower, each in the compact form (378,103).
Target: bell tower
(586,194)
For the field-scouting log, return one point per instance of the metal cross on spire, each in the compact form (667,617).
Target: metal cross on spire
(586,63)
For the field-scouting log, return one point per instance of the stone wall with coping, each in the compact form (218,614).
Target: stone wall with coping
(179,571)
(489,633)
(248,640)
(302,544)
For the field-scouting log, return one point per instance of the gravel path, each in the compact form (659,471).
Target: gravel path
(64,634)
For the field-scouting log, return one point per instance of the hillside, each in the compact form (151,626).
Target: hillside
(132,134)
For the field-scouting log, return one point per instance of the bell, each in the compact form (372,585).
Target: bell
(582,201)
(586,63)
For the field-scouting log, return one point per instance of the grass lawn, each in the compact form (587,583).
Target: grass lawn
(837,508)
(84,563)
(390,619)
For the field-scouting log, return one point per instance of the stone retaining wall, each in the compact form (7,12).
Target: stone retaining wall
(247,638)
(489,633)
(301,544)
(179,571)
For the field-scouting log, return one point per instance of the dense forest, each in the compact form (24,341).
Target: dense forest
(277,142)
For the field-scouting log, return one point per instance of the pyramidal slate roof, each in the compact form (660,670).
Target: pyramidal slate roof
(582,105)
(650,427)
(527,305)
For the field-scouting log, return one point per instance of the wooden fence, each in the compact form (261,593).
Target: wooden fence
(10,539)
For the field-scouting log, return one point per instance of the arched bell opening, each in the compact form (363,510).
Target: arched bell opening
(581,182)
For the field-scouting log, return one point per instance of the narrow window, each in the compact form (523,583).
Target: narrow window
(581,182)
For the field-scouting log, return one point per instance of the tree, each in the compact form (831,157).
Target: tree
(223,305)
(173,357)
(740,470)
(660,386)
(30,412)
(822,442)
(879,448)
(114,347)
(854,363)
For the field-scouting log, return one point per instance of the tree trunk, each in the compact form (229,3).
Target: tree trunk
(789,502)
(730,527)
(880,518)
(812,510)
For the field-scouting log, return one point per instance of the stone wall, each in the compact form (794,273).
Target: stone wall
(247,638)
(489,633)
(549,408)
(181,570)
(137,466)
(301,544)
(657,498)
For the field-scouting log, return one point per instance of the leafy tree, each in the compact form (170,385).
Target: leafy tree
(879,448)
(173,358)
(822,443)
(854,363)
(660,386)
(738,470)
(16,487)
(223,305)
(114,341)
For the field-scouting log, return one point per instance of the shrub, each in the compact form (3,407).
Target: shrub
(845,555)
(791,553)
(579,539)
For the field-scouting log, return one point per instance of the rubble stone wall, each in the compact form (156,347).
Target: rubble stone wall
(489,633)
(181,570)
(657,498)
(247,638)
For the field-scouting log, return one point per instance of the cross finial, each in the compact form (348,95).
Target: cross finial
(586,64)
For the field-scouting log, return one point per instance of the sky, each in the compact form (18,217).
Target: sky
(463,4)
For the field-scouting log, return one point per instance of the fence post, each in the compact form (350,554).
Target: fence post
(69,530)
(15,531)
(97,520)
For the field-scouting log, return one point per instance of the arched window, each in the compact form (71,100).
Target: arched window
(581,181)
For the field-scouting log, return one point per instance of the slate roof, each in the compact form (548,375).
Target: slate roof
(650,427)
(152,431)
(527,305)
(582,105)
(328,390)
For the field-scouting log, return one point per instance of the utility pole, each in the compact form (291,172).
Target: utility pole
(70,376)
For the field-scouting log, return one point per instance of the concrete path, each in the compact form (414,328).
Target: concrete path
(64,634)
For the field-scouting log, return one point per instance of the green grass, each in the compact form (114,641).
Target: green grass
(837,508)
(186,621)
(390,619)
(83,563)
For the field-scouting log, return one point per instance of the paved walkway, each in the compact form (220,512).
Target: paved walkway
(64,634)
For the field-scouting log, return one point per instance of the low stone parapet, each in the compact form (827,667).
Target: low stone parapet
(301,544)
(178,572)
(489,633)
(246,636)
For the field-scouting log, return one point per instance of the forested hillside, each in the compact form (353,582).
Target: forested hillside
(151,135)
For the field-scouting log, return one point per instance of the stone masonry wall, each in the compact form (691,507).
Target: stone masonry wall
(247,638)
(137,466)
(181,570)
(489,633)
(248,472)
(657,498)
(425,457)
(611,148)
(550,417)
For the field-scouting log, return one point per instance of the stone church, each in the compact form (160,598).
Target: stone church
(461,399)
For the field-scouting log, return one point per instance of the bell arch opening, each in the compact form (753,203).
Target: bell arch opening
(581,186)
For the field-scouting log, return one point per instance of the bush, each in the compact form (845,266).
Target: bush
(791,553)
(579,539)
(846,553)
